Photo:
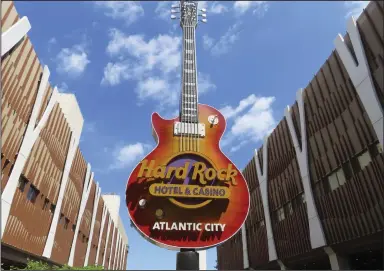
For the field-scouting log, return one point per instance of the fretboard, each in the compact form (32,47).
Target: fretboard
(188,102)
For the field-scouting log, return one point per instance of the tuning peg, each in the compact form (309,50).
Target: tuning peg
(173,17)
(204,20)
(203,15)
(203,10)
(175,6)
(174,11)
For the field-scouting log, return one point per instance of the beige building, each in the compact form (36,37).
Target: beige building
(51,204)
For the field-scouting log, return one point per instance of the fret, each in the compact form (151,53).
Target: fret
(189,103)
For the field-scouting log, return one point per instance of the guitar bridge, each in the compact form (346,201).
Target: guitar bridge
(184,128)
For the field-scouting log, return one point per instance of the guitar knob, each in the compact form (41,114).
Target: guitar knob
(213,119)
(159,214)
(142,203)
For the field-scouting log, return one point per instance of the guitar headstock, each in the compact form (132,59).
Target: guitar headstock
(189,13)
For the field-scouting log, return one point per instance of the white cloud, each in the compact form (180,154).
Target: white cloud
(213,7)
(154,64)
(125,156)
(230,112)
(259,7)
(226,41)
(114,73)
(163,9)
(204,83)
(355,8)
(158,88)
(162,52)
(129,11)
(208,42)
(217,8)
(72,61)
(251,120)
(62,88)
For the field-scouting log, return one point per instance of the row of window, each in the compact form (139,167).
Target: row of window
(335,179)
(287,209)
(339,177)
(32,194)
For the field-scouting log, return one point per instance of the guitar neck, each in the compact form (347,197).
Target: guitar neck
(189,95)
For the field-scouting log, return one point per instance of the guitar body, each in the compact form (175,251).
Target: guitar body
(224,215)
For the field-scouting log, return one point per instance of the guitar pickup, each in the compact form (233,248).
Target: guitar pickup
(184,128)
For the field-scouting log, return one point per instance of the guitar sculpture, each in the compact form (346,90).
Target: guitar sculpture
(186,193)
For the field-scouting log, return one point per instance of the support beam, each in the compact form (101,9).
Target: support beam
(282,266)
(94,214)
(103,218)
(83,203)
(116,250)
(361,77)
(263,181)
(55,220)
(14,35)
(106,240)
(122,256)
(111,253)
(116,265)
(337,262)
(316,231)
(245,247)
(31,134)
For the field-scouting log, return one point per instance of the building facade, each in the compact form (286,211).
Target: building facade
(51,204)
(317,183)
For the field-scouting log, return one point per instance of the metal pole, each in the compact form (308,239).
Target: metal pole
(187,259)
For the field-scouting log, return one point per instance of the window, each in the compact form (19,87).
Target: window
(340,176)
(303,198)
(364,159)
(375,149)
(336,179)
(379,148)
(61,220)
(280,214)
(45,205)
(32,194)
(288,208)
(332,180)
(66,223)
(22,183)
(53,208)
(73,227)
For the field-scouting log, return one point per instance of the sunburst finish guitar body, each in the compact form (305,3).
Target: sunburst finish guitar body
(186,193)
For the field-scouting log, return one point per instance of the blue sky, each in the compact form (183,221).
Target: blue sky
(122,61)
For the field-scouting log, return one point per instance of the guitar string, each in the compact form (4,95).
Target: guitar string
(196,91)
(182,101)
(189,89)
